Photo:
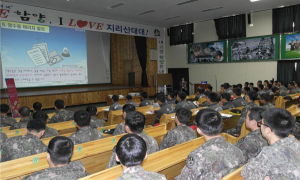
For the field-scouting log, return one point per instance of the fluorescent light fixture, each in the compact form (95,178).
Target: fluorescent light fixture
(254,0)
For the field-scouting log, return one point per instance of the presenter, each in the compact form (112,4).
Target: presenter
(183,85)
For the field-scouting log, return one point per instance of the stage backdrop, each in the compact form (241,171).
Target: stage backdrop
(290,46)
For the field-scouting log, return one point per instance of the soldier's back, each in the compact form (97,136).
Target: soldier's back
(227,105)
(86,134)
(239,102)
(138,173)
(95,122)
(7,121)
(146,102)
(216,107)
(268,105)
(21,124)
(49,132)
(115,106)
(151,143)
(120,129)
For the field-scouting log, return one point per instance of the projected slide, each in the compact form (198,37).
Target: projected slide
(37,55)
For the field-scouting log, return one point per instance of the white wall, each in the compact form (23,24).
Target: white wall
(232,73)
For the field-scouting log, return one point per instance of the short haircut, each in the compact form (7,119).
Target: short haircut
(219,53)
(270,86)
(171,95)
(36,125)
(213,97)
(24,111)
(175,93)
(252,95)
(222,85)
(261,86)
(209,122)
(40,115)
(128,108)
(161,98)
(210,88)
(247,83)
(266,81)
(129,97)
(60,149)
(59,104)
(259,81)
(135,120)
(255,89)
(181,95)
(37,106)
(256,113)
(237,91)
(246,89)
(234,86)
(274,89)
(184,115)
(92,110)
(239,86)
(226,96)
(82,118)
(252,84)
(201,91)
(280,121)
(115,98)
(131,150)
(226,85)
(265,96)
(4,108)
(145,95)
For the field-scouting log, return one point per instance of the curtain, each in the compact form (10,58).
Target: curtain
(286,71)
(231,27)
(283,19)
(182,34)
(141,48)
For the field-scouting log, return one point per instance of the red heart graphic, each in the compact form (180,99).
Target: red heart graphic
(81,24)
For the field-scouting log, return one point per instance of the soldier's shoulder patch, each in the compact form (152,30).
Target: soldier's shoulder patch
(191,161)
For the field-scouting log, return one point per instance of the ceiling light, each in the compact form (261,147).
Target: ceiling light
(171,17)
(280,6)
(254,0)
(146,12)
(186,2)
(116,5)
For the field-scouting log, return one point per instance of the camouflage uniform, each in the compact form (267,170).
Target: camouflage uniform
(260,92)
(268,105)
(282,88)
(137,172)
(212,160)
(115,106)
(238,102)
(171,102)
(295,90)
(152,147)
(228,91)
(281,160)
(120,129)
(215,106)
(181,104)
(283,93)
(86,134)
(164,109)
(155,105)
(237,129)
(146,102)
(3,138)
(21,124)
(269,91)
(61,116)
(49,132)
(95,122)
(296,130)
(7,121)
(251,144)
(71,171)
(227,105)
(178,135)
(22,146)
(131,102)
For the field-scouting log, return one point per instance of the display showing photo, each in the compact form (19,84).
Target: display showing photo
(290,46)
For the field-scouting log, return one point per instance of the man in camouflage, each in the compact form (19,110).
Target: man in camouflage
(131,151)
(24,113)
(43,116)
(281,159)
(29,144)
(296,130)
(212,99)
(165,108)
(120,129)
(145,101)
(181,133)
(3,138)
(37,106)
(115,104)
(134,124)
(4,119)
(227,88)
(251,96)
(95,122)
(60,151)
(63,114)
(225,102)
(181,102)
(292,88)
(238,101)
(84,133)
(129,101)
(252,143)
(265,100)
(216,157)
(171,100)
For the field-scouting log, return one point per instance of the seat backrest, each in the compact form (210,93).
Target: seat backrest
(234,175)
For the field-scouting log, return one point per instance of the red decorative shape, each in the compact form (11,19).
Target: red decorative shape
(81,24)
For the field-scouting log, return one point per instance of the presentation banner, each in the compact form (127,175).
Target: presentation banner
(13,97)
(290,46)
(254,49)
(207,52)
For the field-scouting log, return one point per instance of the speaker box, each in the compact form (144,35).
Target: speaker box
(131,79)
(249,19)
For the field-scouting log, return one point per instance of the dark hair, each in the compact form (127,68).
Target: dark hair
(171,95)
(145,95)
(237,91)
(24,111)
(129,97)
(266,81)
(131,150)
(37,106)
(226,96)
(161,98)
(128,108)
(36,125)
(247,84)
(219,53)
(115,98)
(82,118)
(59,104)
(226,85)
(213,97)
(210,88)
(135,120)
(256,113)
(265,96)
(261,86)
(92,110)
(222,85)
(60,149)
(182,95)
(209,122)
(255,89)
(4,108)
(251,84)
(274,89)
(280,121)
(40,115)
(239,86)
(183,115)
(269,86)
(175,93)
(259,81)
(252,95)
(292,84)
(234,86)
(201,91)
(247,89)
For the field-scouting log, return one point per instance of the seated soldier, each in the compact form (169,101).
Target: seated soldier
(252,143)
(281,159)
(238,101)
(216,157)
(129,100)
(268,88)
(181,133)
(43,116)
(84,133)
(212,99)
(63,114)
(134,124)
(155,104)
(24,114)
(251,85)
(4,119)
(3,138)
(265,100)
(59,153)
(227,88)
(171,100)
(131,150)
(115,104)
(120,129)
(292,88)
(246,84)
(251,96)
(145,101)
(296,130)
(260,89)
(209,89)
(199,94)
(27,145)
(37,106)
(164,107)
(181,101)
(246,89)
(225,102)
(239,86)
(297,88)
(95,122)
